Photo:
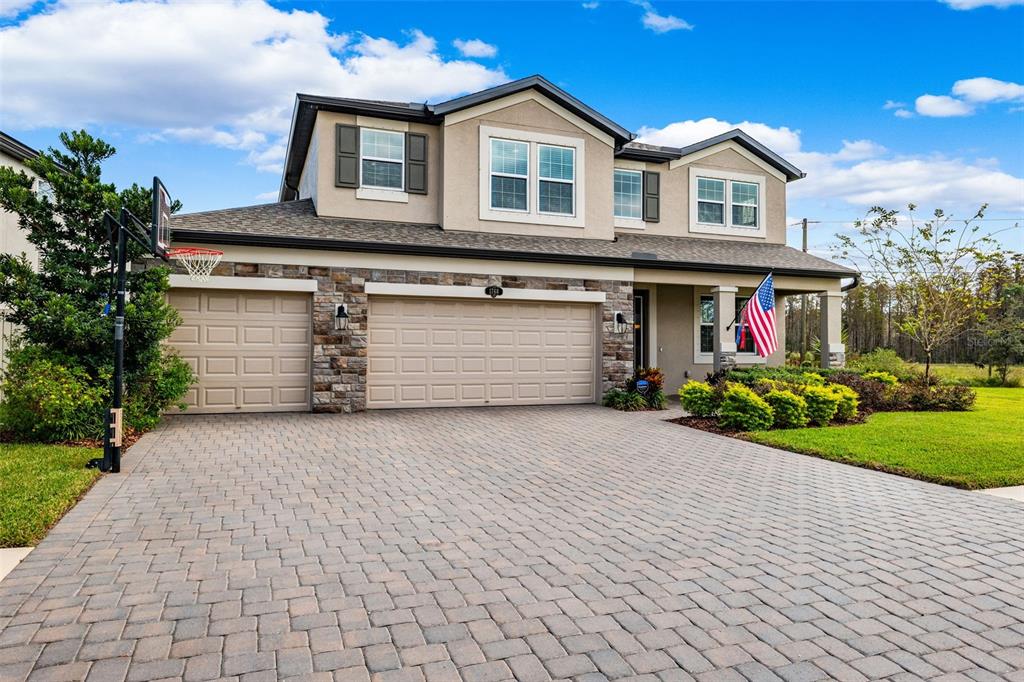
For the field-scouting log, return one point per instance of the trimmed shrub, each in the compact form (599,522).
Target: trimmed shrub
(882,377)
(625,401)
(792,375)
(883,360)
(848,402)
(699,398)
(50,399)
(744,410)
(790,410)
(656,400)
(822,404)
(921,397)
(873,395)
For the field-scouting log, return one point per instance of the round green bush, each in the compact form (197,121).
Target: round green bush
(822,404)
(698,398)
(744,410)
(789,408)
(882,377)
(849,401)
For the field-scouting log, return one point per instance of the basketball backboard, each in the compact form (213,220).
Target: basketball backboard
(161,228)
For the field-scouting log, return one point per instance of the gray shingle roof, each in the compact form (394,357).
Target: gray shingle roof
(296,224)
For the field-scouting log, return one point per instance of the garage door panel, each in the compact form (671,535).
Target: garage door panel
(250,351)
(441,352)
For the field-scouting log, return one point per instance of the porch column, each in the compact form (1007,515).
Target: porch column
(833,352)
(725,335)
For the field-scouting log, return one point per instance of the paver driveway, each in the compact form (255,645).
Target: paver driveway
(519,542)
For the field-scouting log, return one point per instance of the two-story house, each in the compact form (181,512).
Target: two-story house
(509,247)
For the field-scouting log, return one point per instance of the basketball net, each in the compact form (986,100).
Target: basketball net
(198,262)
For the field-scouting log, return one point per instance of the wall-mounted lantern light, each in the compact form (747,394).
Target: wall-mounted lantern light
(341,316)
(620,322)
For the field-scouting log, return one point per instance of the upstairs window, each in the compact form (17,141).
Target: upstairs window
(510,171)
(383,158)
(711,201)
(628,187)
(744,204)
(727,202)
(557,176)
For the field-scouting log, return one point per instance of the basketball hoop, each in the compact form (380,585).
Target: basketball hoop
(199,262)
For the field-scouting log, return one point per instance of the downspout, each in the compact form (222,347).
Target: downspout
(852,285)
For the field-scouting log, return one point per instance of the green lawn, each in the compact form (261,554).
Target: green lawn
(982,448)
(971,375)
(38,484)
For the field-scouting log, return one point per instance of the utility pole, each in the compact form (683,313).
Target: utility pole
(803,304)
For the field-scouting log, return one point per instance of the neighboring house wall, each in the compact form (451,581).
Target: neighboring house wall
(374,204)
(465,181)
(13,241)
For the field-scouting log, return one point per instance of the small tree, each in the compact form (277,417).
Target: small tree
(931,268)
(59,306)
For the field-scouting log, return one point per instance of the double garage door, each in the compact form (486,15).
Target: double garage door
(251,351)
(460,352)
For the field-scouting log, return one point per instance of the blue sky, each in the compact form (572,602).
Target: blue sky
(811,80)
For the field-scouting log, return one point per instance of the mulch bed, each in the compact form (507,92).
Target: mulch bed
(704,424)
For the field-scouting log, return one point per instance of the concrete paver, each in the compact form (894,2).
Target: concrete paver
(510,543)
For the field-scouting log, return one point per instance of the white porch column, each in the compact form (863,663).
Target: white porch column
(833,352)
(725,335)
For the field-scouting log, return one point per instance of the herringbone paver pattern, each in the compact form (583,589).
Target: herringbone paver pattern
(525,543)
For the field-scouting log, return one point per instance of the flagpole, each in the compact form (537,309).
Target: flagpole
(770,273)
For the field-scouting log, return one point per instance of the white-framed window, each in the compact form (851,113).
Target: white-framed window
(711,201)
(530,177)
(44,190)
(510,175)
(726,202)
(628,194)
(704,323)
(745,203)
(382,159)
(556,179)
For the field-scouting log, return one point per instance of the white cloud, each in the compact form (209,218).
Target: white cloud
(988,90)
(267,196)
(475,48)
(903,113)
(782,140)
(221,73)
(660,23)
(975,4)
(942,106)
(890,104)
(12,8)
(863,173)
(591,5)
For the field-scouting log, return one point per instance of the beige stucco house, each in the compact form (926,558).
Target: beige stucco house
(509,247)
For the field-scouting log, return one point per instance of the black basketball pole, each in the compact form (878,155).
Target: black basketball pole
(114,430)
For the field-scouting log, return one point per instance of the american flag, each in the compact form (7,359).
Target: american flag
(759,315)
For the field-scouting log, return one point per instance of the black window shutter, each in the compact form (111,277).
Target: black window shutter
(652,196)
(346,143)
(416,163)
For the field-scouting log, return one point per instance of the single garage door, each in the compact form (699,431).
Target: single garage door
(452,352)
(250,350)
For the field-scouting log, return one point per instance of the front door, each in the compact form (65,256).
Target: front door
(640,350)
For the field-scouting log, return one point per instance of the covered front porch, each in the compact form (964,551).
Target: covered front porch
(684,322)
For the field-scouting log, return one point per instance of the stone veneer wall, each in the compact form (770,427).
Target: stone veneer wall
(339,356)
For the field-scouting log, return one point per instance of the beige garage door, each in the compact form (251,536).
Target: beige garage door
(249,349)
(448,352)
